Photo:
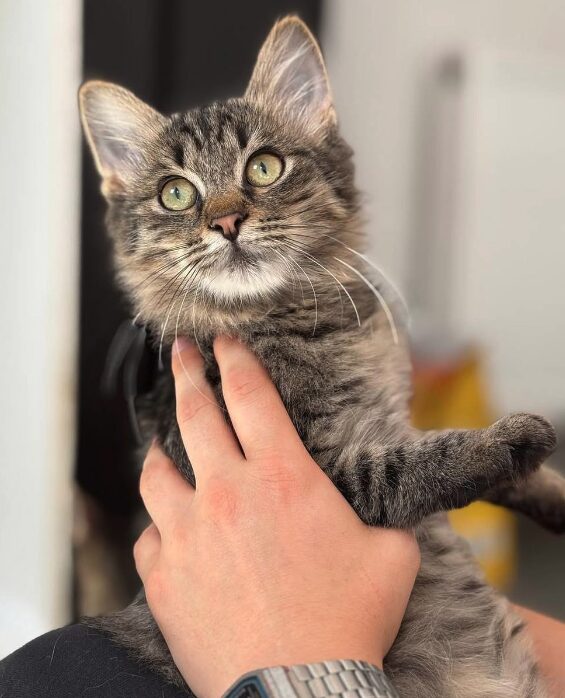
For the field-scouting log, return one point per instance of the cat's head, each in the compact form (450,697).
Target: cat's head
(231,205)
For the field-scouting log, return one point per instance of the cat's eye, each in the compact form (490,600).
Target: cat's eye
(263,169)
(178,194)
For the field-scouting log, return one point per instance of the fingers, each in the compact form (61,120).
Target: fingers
(256,410)
(146,551)
(165,493)
(208,440)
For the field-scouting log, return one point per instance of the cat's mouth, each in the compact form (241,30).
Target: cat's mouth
(239,255)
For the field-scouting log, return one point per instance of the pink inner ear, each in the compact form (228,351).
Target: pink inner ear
(290,75)
(119,125)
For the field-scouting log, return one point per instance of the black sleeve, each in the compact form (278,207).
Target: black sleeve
(76,661)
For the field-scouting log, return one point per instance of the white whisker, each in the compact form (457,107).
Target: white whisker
(378,296)
(376,267)
(304,228)
(313,293)
(189,270)
(307,254)
(293,272)
(185,371)
(194,332)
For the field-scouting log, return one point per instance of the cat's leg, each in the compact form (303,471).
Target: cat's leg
(399,484)
(541,496)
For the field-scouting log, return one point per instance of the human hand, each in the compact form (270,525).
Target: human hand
(265,563)
(548,638)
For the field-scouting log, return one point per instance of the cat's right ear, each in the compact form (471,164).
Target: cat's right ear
(119,128)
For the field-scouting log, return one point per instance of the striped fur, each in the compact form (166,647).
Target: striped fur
(297,290)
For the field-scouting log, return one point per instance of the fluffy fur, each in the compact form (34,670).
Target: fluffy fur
(295,287)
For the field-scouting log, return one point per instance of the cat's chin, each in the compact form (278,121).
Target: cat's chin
(260,281)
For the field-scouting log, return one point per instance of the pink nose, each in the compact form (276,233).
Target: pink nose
(228,225)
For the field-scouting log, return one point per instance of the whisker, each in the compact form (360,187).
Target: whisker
(289,268)
(171,263)
(340,285)
(295,246)
(162,269)
(150,251)
(293,261)
(320,226)
(378,296)
(164,289)
(189,271)
(169,311)
(194,332)
(377,268)
(186,373)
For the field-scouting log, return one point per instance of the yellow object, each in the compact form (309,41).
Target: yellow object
(452,395)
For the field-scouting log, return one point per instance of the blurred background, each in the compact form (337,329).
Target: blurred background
(455,110)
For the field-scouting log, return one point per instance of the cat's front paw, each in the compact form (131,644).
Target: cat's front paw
(528,438)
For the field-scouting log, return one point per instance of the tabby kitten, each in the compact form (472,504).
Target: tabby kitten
(242,218)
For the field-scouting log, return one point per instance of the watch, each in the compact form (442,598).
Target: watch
(347,678)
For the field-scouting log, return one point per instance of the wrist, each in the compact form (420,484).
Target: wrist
(293,651)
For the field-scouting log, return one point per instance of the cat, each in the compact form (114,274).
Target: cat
(242,217)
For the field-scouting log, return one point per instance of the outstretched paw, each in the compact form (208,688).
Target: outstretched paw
(529,438)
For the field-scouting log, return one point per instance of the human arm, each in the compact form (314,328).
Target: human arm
(548,637)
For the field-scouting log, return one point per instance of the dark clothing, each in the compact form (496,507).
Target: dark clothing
(78,662)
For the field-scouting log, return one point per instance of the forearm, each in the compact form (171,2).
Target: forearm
(548,637)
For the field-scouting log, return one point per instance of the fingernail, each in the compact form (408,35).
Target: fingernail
(181,343)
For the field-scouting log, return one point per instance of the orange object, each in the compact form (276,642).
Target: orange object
(452,394)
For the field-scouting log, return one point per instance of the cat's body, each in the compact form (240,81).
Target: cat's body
(346,388)
(289,282)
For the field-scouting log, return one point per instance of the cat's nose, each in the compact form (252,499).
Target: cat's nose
(228,225)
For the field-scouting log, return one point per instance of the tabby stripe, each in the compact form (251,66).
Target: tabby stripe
(178,154)
(242,136)
(364,472)
(343,484)
(194,137)
(393,462)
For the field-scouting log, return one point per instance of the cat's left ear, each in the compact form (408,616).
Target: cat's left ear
(290,77)
(120,129)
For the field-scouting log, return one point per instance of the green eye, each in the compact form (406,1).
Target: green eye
(263,169)
(178,194)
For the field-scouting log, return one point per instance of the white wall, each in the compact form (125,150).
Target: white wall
(40,184)
(509,254)
(380,53)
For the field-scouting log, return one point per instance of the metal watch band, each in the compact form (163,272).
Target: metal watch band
(347,678)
